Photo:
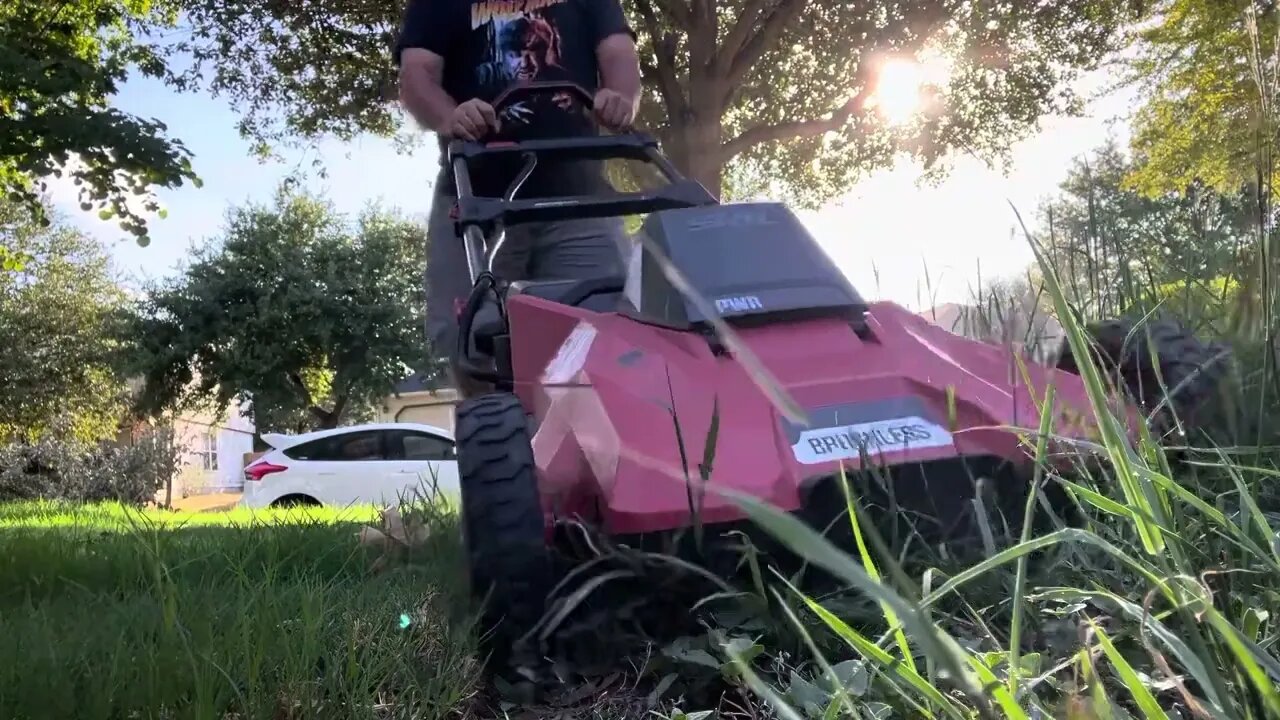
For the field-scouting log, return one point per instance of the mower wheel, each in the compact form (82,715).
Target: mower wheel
(502,521)
(1190,370)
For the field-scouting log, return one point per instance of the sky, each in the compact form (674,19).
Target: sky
(888,233)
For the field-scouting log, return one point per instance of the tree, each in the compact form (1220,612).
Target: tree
(1207,69)
(295,308)
(60,64)
(55,319)
(1113,246)
(778,91)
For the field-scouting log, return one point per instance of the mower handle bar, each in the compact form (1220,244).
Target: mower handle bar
(476,215)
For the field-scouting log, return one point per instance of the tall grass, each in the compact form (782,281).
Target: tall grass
(108,612)
(1161,603)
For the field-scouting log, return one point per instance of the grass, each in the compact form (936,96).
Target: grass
(114,613)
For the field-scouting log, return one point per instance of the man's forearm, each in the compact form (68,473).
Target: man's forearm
(620,67)
(427,102)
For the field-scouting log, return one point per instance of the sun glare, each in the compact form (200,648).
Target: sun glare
(900,85)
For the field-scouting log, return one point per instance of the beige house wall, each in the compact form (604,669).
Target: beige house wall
(214,452)
(429,408)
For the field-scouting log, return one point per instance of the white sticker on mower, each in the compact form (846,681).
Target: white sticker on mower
(821,445)
(571,356)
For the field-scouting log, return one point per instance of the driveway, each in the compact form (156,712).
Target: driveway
(213,502)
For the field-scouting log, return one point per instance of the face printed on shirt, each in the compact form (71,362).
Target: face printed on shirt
(525,42)
(529,44)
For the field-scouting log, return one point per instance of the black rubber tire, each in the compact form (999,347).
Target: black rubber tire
(1192,370)
(296,500)
(502,521)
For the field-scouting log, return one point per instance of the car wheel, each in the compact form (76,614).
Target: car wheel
(289,501)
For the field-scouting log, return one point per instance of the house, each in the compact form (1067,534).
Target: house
(215,448)
(419,399)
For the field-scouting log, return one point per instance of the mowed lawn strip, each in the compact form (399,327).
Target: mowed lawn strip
(113,613)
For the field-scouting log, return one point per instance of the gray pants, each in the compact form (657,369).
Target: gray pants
(537,251)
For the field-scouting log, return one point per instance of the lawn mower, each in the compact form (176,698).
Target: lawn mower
(602,391)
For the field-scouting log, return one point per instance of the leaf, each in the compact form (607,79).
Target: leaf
(744,648)
(655,695)
(807,696)
(853,675)
(878,711)
(1129,679)
(682,650)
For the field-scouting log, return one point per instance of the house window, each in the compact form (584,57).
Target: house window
(207,450)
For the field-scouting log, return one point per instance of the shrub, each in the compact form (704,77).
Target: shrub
(60,467)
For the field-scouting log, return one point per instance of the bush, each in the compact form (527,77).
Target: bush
(59,467)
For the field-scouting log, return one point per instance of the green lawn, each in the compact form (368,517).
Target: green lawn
(114,613)
(1162,611)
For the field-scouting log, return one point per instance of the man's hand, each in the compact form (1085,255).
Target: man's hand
(473,120)
(614,110)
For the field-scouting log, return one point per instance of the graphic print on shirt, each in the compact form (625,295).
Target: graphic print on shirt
(524,45)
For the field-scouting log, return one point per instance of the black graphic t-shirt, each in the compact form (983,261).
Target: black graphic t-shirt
(490,45)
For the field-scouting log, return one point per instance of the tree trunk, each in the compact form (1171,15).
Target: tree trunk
(325,419)
(696,148)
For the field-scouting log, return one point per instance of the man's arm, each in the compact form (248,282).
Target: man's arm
(620,66)
(425,39)
(619,96)
(421,91)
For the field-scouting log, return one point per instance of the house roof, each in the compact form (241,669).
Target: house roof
(422,383)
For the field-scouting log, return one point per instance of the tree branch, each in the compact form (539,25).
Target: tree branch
(664,64)
(739,34)
(326,419)
(296,379)
(788,130)
(675,9)
(754,47)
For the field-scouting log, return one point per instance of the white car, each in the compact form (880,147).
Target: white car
(376,463)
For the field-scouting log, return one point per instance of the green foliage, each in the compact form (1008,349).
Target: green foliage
(55,313)
(59,467)
(779,87)
(798,122)
(295,308)
(60,64)
(1116,248)
(1207,69)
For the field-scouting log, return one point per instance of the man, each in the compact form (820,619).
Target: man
(455,58)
